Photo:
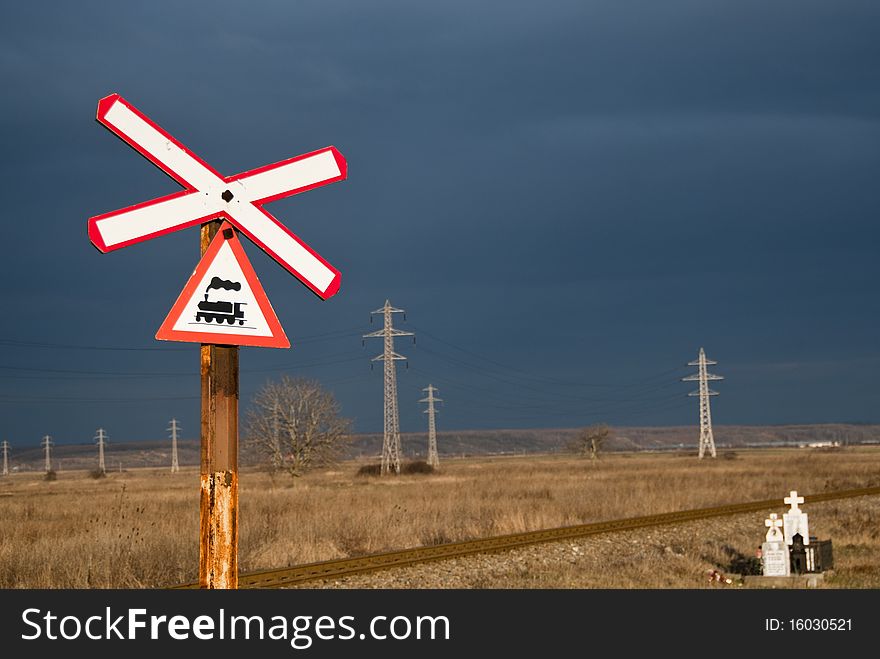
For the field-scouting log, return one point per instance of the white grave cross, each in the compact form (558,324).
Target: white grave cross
(773,532)
(795,520)
(793,500)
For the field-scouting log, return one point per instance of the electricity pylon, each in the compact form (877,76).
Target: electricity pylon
(175,466)
(707,440)
(101,438)
(433,458)
(5,458)
(391,435)
(47,446)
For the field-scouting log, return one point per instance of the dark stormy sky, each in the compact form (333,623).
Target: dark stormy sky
(568,199)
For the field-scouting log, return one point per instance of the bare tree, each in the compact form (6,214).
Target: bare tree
(295,423)
(589,441)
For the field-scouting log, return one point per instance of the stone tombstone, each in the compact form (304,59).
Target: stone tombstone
(798,555)
(774,551)
(795,521)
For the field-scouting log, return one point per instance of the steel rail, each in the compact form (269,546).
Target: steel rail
(291,576)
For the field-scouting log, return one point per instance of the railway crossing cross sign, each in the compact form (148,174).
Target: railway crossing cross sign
(223,304)
(209,196)
(223,301)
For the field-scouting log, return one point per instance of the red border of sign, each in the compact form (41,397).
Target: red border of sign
(104,106)
(168,333)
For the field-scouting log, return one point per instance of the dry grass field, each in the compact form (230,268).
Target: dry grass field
(139,528)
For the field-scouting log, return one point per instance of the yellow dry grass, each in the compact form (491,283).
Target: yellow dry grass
(139,528)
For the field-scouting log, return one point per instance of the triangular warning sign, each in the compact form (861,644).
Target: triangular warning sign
(223,301)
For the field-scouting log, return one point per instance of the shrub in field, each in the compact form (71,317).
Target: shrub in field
(416,467)
(589,441)
(370,470)
(51,475)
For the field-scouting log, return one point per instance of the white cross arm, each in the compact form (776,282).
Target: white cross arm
(209,195)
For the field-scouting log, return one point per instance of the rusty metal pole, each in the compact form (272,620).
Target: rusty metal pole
(218,519)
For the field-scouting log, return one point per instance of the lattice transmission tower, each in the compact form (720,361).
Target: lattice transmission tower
(707,440)
(391,435)
(101,439)
(47,447)
(173,428)
(433,458)
(5,458)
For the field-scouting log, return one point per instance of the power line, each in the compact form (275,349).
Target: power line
(76,399)
(174,374)
(525,375)
(20,399)
(20,343)
(521,403)
(510,380)
(14,343)
(545,396)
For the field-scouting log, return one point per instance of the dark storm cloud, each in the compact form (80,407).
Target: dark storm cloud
(583,191)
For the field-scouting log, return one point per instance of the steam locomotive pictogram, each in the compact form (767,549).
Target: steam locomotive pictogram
(221,311)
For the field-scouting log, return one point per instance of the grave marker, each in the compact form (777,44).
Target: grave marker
(795,520)
(774,550)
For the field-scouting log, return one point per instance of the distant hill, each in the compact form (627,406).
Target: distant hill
(124,455)
(553,440)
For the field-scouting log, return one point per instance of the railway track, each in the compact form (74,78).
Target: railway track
(346,566)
